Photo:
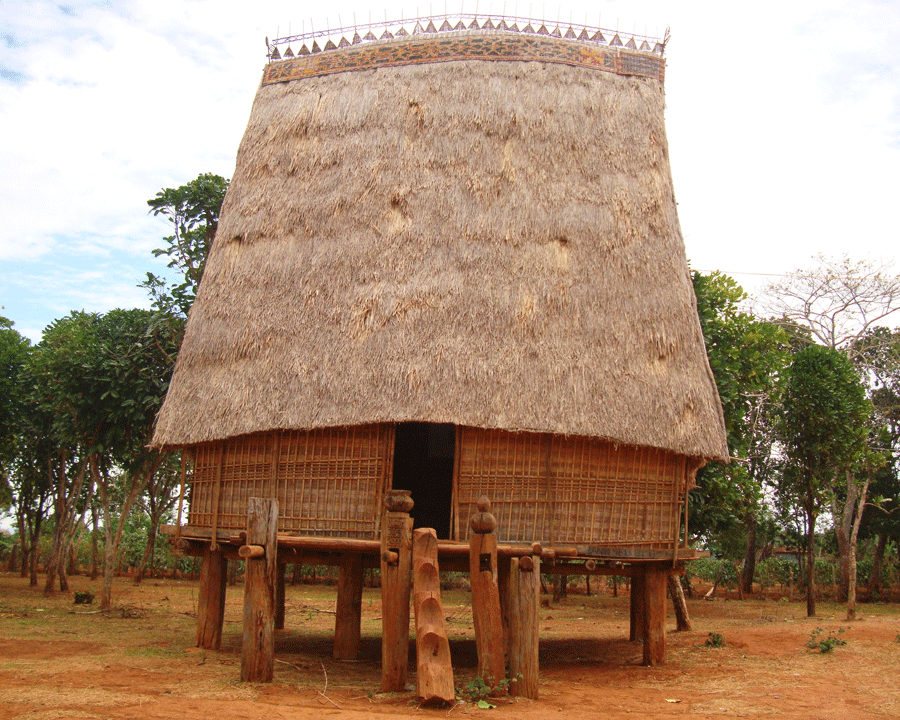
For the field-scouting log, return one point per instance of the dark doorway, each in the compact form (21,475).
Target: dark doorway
(423,464)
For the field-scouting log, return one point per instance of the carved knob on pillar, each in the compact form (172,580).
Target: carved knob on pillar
(483,522)
(398,501)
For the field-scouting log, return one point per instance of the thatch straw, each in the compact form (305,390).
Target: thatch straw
(492,244)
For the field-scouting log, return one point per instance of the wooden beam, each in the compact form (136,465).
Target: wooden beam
(258,650)
(348,615)
(654,615)
(211,599)
(396,540)
(434,676)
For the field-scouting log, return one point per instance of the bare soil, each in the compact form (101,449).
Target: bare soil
(60,660)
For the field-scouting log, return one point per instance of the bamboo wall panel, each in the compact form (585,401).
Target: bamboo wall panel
(568,490)
(327,482)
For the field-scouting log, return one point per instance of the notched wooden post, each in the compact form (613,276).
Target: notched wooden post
(486,613)
(434,676)
(211,600)
(524,603)
(654,615)
(258,649)
(396,570)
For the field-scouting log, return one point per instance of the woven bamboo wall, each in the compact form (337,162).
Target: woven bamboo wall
(570,490)
(327,482)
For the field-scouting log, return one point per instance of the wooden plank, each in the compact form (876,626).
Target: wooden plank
(486,613)
(654,616)
(396,537)
(348,614)
(524,603)
(211,599)
(279,596)
(258,649)
(434,676)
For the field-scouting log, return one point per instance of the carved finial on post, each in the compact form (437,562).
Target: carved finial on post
(398,501)
(483,522)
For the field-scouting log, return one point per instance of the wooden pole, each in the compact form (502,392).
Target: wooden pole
(682,617)
(348,615)
(258,651)
(434,677)
(654,616)
(279,596)
(524,603)
(486,612)
(636,628)
(396,571)
(211,600)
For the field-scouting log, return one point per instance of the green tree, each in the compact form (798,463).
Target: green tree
(823,429)
(193,211)
(747,357)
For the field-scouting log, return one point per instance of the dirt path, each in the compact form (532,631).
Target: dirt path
(59,660)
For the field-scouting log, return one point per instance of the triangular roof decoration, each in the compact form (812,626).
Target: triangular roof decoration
(418,29)
(369,36)
(659,48)
(303,50)
(570,33)
(488,25)
(356,38)
(275,55)
(344,42)
(616,42)
(402,32)
(315,47)
(503,25)
(631,44)
(645,45)
(445,26)
(431,28)
(386,35)
(528,29)
(330,45)
(514,27)
(543,30)
(583,35)
(289,53)
(474,24)
(460,26)
(556,32)
(598,37)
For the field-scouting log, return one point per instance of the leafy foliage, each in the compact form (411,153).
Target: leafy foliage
(827,643)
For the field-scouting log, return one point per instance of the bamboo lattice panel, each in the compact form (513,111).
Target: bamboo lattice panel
(577,491)
(327,482)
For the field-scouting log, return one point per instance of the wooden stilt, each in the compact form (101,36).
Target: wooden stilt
(636,630)
(682,618)
(279,596)
(503,571)
(434,675)
(348,615)
(211,600)
(258,650)
(654,616)
(396,574)
(524,603)
(486,611)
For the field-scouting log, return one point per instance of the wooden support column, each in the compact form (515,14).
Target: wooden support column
(279,596)
(348,615)
(654,615)
(211,600)
(258,650)
(434,676)
(636,630)
(486,611)
(503,571)
(396,575)
(682,617)
(524,604)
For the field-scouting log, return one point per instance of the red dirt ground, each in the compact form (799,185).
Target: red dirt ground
(59,660)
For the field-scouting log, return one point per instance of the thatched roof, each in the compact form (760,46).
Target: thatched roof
(492,244)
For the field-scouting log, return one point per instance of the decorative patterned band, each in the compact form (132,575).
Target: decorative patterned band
(474,46)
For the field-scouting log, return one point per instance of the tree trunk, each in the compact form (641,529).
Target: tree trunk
(560,587)
(749,569)
(95,550)
(876,583)
(857,512)
(149,551)
(64,508)
(810,563)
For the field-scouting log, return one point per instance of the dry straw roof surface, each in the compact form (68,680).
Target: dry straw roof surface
(492,244)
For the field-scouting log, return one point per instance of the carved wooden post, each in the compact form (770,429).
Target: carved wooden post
(279,596)
(260,554)
(434,675)
(211,600)
(348,615)
(524,604)
(396,574)
(636,629)
(486,596)
(654,616)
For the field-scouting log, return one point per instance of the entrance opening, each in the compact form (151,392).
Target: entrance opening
(423,464)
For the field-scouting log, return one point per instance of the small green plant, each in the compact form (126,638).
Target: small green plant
(84,598)
(478,691)
(715,640)
(827,643)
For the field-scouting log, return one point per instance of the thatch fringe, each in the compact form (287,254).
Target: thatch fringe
(492,244)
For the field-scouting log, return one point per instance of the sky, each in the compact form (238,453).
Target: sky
(783,121)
